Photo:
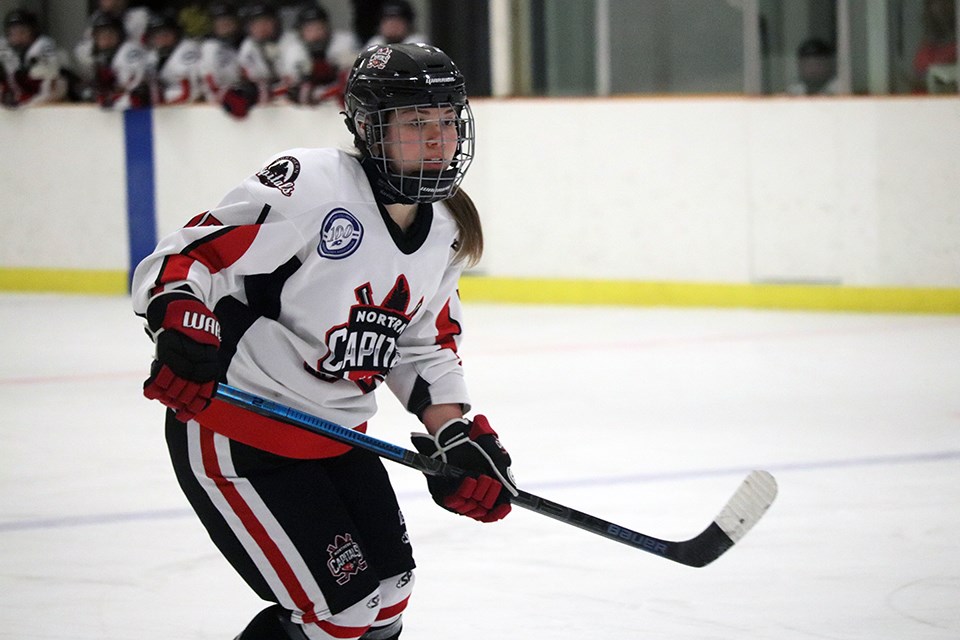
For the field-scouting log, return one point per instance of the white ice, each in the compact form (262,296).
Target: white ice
(646,417)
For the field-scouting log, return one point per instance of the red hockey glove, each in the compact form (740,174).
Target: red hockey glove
(184,374)
(474,447)
(240,98)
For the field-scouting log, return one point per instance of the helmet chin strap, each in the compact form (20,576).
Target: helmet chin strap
(383,189)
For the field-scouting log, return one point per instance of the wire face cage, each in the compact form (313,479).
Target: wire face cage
(424,150)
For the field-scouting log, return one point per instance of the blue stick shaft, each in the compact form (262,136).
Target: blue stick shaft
(334,431)
(695,552)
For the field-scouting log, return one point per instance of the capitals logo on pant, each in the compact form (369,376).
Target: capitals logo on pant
(346,558)
(364,349)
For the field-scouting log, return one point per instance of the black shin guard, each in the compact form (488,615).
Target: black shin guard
(386,632)
(273,623)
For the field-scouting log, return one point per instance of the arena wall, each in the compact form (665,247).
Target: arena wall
(729,201)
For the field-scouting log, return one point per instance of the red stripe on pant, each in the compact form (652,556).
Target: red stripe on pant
(393,611)
(254,527)
(341,632)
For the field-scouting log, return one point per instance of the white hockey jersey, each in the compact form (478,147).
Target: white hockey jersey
(219,68)
(35,77)
(295,61)
(111,84)
(320,297)
(176,79)
(259,64)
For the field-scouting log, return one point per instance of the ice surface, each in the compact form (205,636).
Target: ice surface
(646,417)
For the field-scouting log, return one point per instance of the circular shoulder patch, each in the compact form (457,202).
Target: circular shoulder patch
(280,174)
(340,234)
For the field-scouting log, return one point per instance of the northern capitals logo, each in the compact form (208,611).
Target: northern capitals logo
(364,348)
(380,58)
(346,558)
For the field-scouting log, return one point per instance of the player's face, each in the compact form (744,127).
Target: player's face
(263,28)
(225,26)
(394,29)
(112,6)
(20,36)
(163,39)
(421,138)
(105,39)
(314,31)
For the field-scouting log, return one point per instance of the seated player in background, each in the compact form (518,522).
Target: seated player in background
(172,61)
(31,65)
(219,66)
(312,60)
(258,57)
(114,71)
(396,24)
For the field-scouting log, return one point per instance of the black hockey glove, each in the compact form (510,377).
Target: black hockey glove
(300,93)
(473,446)
(8,98)
(141,96)
(184,374)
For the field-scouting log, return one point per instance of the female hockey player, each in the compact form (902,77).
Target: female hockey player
(316,279)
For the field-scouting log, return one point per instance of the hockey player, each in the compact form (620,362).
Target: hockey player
(258,57)
(134,19)
(219,65)
(314,281)
(311,61)
(396,24)
(114,68)
(30,63)
(172,62)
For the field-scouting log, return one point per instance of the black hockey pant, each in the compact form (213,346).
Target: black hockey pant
(324,539)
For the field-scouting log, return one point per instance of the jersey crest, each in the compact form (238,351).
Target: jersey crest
(280,174)
(364,348)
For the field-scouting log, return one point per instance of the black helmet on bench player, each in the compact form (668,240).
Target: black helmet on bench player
(386,78)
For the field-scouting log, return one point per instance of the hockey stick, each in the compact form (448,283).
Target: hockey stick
(742,511)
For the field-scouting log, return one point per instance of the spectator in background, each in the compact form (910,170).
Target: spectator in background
(816,69)
(172,61)
(31,66)
(219,66)
(396,24)
(114,73)
(935,61)
(259,56)
(316,61)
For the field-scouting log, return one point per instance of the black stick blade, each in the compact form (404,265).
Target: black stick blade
(744,509)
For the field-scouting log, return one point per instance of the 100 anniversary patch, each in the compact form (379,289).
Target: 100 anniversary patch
(280,174)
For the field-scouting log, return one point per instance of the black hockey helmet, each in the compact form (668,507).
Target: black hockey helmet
(254,10)
(388,78)
(103,20)
(22,17)
(312,13)
(397,9)
(163,20)
(223,10)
